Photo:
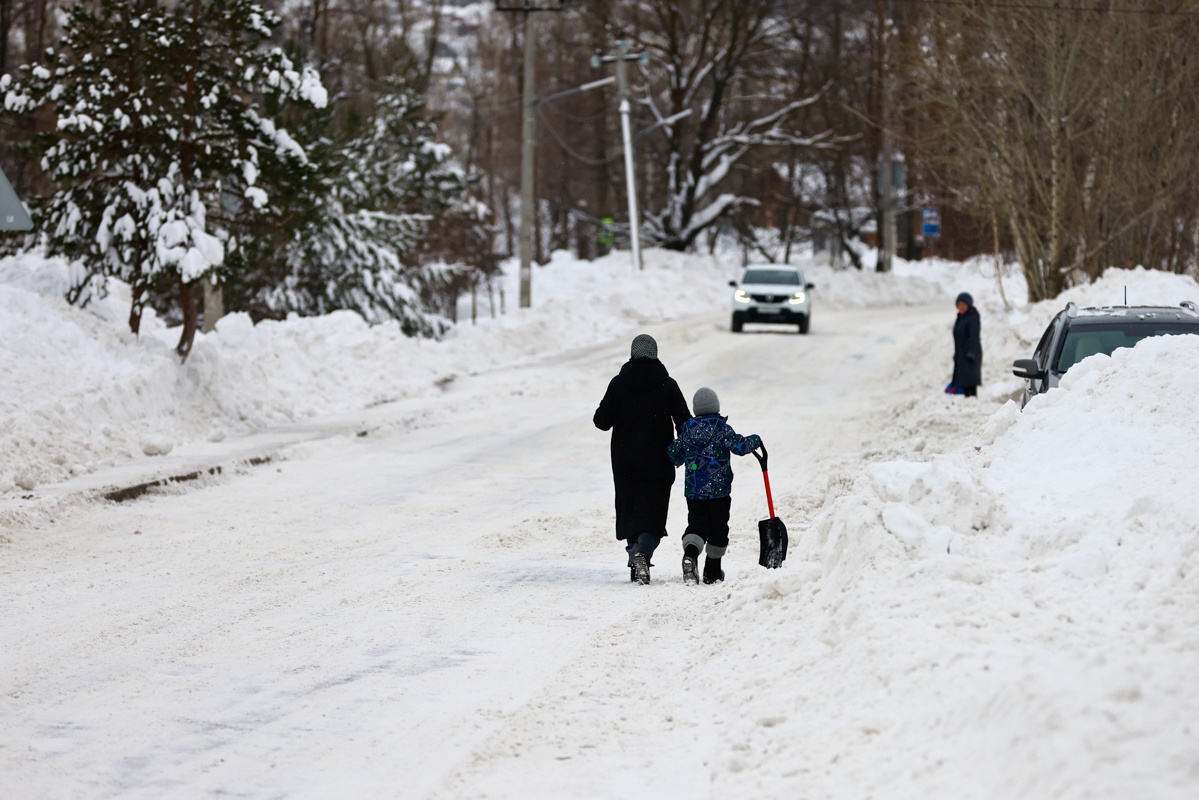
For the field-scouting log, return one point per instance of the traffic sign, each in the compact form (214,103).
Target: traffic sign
(931,222)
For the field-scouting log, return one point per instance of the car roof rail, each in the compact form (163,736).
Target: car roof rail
(1071,309)
(1190,304)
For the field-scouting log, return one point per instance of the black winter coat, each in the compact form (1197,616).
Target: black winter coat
(644,409)
(967,349)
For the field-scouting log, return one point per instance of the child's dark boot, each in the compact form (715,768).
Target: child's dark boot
(712,571)
(689,572)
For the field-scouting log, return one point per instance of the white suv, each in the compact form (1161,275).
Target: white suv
(773,293)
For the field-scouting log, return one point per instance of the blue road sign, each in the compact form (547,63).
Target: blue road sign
(931,222)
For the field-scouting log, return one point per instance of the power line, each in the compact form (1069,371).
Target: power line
(529,6)
(561,112)
(591,162)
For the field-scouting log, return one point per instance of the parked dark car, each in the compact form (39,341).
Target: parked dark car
(1076,333)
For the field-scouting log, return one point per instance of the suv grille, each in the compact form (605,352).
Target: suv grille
(768,298)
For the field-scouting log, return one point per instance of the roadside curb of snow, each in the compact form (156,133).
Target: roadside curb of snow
(29,511)
(128,493)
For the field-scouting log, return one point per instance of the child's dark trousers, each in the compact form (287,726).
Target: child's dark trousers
(708,526)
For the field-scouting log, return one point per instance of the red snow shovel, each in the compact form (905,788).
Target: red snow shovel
(772,532)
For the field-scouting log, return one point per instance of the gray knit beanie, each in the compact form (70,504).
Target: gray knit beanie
(706,402)
(644,346)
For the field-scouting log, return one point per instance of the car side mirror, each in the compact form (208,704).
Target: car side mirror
(733,283)
(1027,368)
(809,286)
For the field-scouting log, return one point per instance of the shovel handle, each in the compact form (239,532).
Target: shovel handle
(765,478)
(769,500)
(761,458)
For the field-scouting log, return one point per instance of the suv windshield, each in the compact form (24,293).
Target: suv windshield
(1087,340)
(787,277)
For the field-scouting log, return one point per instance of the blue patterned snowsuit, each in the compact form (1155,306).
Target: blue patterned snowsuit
(704,447)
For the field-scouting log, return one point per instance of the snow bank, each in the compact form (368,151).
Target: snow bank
(81,392)
(1012,620)
(910,283)
(1143,287)
(913,283)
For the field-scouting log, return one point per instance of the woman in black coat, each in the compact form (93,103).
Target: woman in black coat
(967,347)
(645,410)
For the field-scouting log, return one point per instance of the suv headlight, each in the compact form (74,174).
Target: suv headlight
(797,298)
(741,296)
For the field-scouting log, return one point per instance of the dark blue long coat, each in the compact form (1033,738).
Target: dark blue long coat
(967,349)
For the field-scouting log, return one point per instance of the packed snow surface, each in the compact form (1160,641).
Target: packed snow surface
(385,567)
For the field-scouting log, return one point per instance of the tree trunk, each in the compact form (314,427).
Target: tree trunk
(5,26)
(431,42)
(1059,154)
(135,308)
(187,303)
(998,258)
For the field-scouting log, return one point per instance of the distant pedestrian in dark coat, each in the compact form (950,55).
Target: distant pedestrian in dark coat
(703,449)
(967,347)
(644,409)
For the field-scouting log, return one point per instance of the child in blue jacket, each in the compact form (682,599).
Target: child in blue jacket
(703,449)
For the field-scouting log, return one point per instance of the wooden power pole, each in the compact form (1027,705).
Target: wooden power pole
(528,146)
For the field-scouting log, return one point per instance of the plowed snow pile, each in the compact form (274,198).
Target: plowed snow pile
(1014,620)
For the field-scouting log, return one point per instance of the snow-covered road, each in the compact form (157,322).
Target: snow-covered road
(425,599)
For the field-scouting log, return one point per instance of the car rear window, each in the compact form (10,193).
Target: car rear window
(786,277)
(1087,340)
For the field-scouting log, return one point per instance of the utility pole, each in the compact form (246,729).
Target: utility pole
(528,135)
(528,141)
(886,173)
(622,58)
(888,237)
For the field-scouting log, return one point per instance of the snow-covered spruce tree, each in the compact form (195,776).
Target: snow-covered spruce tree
(385,185)
(161,133)
(105,112)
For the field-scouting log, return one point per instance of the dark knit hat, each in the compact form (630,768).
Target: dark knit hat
(644,346)
(706,402)
(964,297)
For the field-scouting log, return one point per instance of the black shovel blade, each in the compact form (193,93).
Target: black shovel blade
(773,535)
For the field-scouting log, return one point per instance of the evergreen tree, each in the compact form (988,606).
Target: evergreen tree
(166,123)
(386,184)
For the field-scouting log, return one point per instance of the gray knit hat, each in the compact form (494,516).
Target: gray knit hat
(644,346)
(706,402)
